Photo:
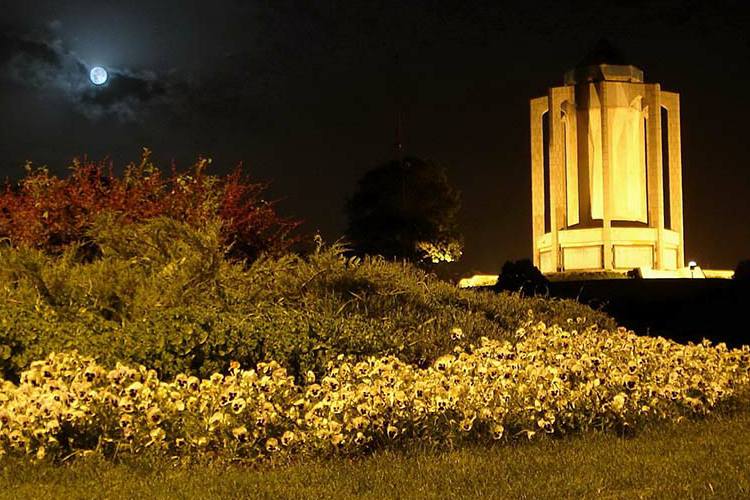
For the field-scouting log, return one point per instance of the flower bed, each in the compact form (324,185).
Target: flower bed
(552,380)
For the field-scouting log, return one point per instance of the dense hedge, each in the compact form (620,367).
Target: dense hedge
(163,294)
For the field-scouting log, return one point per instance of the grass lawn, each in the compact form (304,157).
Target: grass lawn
(688,460)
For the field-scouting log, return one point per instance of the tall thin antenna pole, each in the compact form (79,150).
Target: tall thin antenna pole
(399,101)
(399,144)
(400,157)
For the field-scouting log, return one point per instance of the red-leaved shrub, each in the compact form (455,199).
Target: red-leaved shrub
(48,212)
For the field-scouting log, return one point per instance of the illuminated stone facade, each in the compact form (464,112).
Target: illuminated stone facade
(606,172)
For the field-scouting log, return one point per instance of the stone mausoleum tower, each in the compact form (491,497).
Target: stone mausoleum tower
(606,173)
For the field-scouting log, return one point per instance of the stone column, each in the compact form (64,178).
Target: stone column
(558,198)
(570,167)
(553,152)
(538,108)
(652,99)
(671,101)
(607,256)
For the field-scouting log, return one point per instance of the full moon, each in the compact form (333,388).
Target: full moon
(98,75)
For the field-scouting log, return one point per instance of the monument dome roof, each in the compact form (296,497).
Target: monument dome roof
(604,52)
(604,62)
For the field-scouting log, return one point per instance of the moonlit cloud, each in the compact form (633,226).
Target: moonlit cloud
(46,65)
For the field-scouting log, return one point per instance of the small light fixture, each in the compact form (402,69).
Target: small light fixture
(692,265)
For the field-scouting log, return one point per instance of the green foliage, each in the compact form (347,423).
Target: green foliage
(163,295)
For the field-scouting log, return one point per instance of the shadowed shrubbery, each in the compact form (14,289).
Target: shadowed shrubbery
(163,294)
(523,277)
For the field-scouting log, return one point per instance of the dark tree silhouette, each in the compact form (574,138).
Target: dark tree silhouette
(405,209)
(522,276)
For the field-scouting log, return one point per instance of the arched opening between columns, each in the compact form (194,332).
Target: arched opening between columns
(546,173)
(664,116)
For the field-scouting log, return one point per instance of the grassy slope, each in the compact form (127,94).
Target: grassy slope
(689,460)
(162,295)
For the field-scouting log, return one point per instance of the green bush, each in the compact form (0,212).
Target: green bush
(163,294)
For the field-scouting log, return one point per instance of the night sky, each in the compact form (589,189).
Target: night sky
(306,95)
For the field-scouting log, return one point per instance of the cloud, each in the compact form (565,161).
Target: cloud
(127,95)
(238,87)
(46,65)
